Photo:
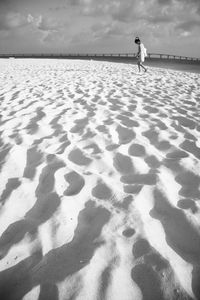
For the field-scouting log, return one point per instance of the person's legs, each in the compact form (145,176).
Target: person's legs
(145,69)
(138,65)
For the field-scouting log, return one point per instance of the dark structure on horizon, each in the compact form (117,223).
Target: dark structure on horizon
(115,56)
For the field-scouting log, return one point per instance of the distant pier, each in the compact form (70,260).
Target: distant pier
(101,55)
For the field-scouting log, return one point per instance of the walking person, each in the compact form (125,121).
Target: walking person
(141,54)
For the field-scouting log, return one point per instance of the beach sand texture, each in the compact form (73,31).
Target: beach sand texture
(99,181)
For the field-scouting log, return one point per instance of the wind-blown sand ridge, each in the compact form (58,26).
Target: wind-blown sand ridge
(99,182)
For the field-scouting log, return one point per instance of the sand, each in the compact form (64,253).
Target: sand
(99,181)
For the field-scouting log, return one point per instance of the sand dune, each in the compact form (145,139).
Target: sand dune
(99,181)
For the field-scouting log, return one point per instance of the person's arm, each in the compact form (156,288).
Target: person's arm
(139,50)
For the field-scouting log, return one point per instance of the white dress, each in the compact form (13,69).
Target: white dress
(142,52)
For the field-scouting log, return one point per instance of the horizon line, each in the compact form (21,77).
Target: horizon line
(101,54)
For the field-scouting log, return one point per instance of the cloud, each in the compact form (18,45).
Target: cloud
(164,2)
(44,23)
(185,33)
(188,25)
(12,20)
(48,28)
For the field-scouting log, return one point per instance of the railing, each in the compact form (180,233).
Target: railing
(99,55)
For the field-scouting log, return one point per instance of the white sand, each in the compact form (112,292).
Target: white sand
(99,181)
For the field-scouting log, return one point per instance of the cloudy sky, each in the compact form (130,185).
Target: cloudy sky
(63,26)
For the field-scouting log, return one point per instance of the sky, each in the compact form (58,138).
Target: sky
(100,26)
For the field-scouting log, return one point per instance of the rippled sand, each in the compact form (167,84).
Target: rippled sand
(99,181)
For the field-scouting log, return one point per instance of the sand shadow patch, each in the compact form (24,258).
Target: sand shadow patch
(14,234)
(103,129)
(123,163)
(190,183)
(181,236)
(63,147)
(11,185)
(129,232)
(150,109)
(15,282)
(139,179)
(125,204)
(77,157)
(189,136)
(188,204)
(160,124)
(76,183)
(163,145)
(106,278)
(137,150)
(43,209)
(94,147)
(46,179)
(176,154)
(48,291)
(190,147)
(89,134)
(34,159)
(3,154)
(102,191)
(152,162)
(132,189)
(70,258)
(32,127)
(56,126)
(140,248)
(148,281)
(125,135)
(125,121)
(151,135)
(80,126)
(112,147)
(185,122)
